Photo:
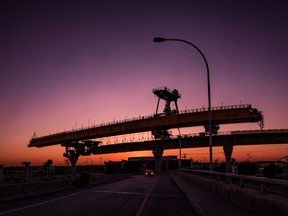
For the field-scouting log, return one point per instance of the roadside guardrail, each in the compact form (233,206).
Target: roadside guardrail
(265,185)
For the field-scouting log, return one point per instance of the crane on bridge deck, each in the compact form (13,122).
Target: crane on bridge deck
(169,96)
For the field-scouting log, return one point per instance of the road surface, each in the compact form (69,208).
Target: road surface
(138,195)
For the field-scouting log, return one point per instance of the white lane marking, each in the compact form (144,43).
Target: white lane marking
(118,192)
(135,193)
(145,199)
(41,203)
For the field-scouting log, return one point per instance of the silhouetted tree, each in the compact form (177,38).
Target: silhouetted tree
(272,170)
(247,168)
(221,167)
(47,164)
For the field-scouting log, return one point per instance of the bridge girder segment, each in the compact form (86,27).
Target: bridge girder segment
(234,139)
(226,141)
(236,114)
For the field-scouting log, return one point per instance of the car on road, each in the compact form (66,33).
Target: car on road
(149,173)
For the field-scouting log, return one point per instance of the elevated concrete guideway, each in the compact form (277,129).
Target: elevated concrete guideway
(188,118)
(232,138)
(227,140)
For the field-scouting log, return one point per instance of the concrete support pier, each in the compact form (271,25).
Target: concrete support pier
(1,174)
(27,171)
(73,160)
(228,149)
(73,156)
(167,165)
(158,159)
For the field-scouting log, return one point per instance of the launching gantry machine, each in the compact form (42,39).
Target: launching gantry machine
(162,133)
(168,96)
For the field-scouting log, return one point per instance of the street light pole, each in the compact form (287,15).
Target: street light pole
(180,147)
(160,39)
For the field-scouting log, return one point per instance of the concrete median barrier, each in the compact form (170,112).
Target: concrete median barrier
(24,190)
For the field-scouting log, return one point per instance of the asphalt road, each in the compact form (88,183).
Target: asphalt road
(139,195)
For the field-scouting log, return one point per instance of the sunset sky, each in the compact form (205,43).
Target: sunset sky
(67,63)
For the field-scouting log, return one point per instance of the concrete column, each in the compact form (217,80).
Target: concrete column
(73,160)
(228,149)
(167,165)
(27,171)
(180,163)
(158,159)
(1,174)
(73,156)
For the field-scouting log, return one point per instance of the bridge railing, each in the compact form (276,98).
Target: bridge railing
(205,109)
(259,131)
(262,184)
(220,133)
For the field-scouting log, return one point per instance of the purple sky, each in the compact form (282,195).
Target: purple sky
(67,63)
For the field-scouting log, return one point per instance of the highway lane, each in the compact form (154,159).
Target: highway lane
(139,195)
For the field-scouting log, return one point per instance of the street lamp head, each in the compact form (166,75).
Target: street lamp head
(159,39)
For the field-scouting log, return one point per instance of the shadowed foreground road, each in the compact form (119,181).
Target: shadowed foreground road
(139,195)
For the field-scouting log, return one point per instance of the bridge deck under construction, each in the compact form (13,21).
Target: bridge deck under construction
(188,118)
(232,138)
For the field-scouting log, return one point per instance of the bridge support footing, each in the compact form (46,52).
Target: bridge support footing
(158,159)
(228,149)
(73,161)
(73,156)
